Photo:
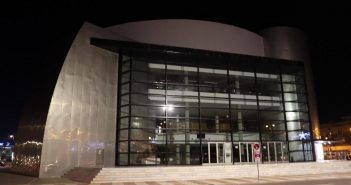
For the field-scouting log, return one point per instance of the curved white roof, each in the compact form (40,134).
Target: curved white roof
(193,34)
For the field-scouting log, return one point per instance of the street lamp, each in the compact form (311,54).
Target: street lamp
(12,137)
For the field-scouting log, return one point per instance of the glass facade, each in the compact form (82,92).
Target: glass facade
(188,108)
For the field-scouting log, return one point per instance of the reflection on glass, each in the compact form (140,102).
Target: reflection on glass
(168,108)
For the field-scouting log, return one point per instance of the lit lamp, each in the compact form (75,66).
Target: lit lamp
(12,137)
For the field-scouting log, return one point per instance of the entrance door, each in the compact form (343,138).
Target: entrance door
(219,152)
(274,151)
(244,152)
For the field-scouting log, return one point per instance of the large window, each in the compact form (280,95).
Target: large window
(174,106)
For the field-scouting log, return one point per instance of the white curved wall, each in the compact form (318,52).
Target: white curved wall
(82,113)
(193,34)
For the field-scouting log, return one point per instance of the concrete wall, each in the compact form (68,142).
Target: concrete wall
(82,113)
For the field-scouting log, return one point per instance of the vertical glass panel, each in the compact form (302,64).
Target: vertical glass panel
(142,134)
(268,126)
(123,147)
(143,147)
(124,123)
(266,86)
(148,111)
(123,134)
(307,146)
(181,112)
(125,88)
(151,88)
(273,136)
(125,77)
(123,159)
(156,76)
(244,152)
(214,102)
(265,156)
(148,99)
(295,145)
(295,97)
(288,78)
(205,154)
(293,125)
(217,114)
(250,152)
(125,99)
(124,111)
(213,81)
(292,116)
(181,75)
(242,83)
(183,101)
(178,124)
(289,87)
(272,152)
(271,105)
(126,65)
(220,153)
(245,115)
(296,156)
(195,154)
(140,64)
(271,115)
(293,73)
(285,151)
(290,96)
(243,104)
(213,153)
(279,150)
(291,106)
(182,90)
(308,156)
(236,152)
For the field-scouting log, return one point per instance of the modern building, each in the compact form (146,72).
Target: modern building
(336,137)
(173,92)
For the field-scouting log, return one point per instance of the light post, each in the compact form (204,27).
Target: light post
(12,137)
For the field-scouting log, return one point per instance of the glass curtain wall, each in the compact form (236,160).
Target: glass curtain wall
(188,109)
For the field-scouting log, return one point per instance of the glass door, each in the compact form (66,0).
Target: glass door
(217,153)
(212,157)
(243,152)
(274,151)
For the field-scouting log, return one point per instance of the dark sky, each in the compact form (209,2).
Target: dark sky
(31,30)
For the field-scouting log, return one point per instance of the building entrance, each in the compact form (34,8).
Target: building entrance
(274,151)
(244,152)
(218,153)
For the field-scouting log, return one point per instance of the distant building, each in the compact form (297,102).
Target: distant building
(6,151)
(172,92)
(337,139)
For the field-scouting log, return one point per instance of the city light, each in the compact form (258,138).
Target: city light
(168,107)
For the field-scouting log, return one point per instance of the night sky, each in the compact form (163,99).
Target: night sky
(30,31)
